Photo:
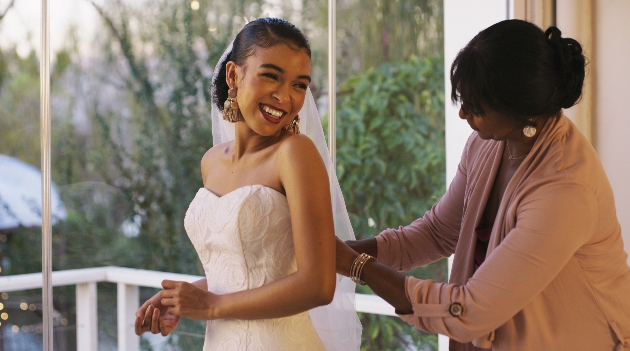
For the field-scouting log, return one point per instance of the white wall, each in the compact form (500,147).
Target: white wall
(463,19)
(611,125)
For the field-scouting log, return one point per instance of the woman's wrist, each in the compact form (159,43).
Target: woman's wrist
(348,265)
(366,269)
(368,246)
(356,269)
(216,306)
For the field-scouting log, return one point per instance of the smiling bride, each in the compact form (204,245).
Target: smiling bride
(263,223)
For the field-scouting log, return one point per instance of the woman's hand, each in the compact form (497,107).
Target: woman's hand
(384,281)
(187,300)
(345,256)
(154,317)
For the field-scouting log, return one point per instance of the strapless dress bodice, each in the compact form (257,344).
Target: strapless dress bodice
(244,241)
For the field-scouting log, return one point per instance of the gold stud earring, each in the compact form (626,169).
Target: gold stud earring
(230,108)
(529,131)
(294,125)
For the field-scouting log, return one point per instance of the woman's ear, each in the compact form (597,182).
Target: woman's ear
(230,74)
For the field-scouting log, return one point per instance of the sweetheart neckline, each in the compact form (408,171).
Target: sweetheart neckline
(242,187)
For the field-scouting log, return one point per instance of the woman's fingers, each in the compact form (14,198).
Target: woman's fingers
(143,321)
(138,326)
(168,323)
(173,294)
(168,302)
(163,328)
(155,321)
(146,319)
(169,284)
(140,318)
(140,312)
(183,299)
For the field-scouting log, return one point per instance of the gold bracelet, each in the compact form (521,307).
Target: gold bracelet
(357,267)
(353,269)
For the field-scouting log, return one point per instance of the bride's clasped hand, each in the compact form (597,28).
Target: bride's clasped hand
(187,300)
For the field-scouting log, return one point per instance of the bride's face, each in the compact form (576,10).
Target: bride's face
(271,86)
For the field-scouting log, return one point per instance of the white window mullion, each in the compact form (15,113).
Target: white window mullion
(45,131)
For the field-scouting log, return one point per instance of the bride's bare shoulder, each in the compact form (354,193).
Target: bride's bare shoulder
(212,156)
(217,150)
(298,148)
(299,141)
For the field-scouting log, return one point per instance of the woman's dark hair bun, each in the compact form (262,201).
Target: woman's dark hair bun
(519,70)
(571,66)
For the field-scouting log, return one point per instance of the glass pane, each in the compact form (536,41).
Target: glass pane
(131,103)
(131,123)
(390,131)
(20,177)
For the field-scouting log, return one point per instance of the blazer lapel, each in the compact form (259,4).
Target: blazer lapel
(482,172)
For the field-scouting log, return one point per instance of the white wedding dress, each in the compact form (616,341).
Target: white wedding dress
(244,241)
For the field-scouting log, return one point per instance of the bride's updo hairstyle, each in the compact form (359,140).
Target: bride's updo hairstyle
(260,33)
(515,68)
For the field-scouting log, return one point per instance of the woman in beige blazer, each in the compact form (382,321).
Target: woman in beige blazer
(539,261)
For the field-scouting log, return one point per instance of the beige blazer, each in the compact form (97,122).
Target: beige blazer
(555,275)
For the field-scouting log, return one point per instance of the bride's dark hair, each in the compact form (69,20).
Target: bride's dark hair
(263,33)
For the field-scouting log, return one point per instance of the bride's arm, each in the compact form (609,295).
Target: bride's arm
(305,181)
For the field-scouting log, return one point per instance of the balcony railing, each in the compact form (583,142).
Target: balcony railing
(128,281)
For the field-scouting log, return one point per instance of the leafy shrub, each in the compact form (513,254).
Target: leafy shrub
(391,167)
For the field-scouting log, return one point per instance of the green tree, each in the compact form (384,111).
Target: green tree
(19,106)
(154,153)
(390,164)
(391,143)
(373,32)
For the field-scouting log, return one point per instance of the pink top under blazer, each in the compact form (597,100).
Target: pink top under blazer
(555,275)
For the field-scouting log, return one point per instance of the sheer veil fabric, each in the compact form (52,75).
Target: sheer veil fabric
(336,324)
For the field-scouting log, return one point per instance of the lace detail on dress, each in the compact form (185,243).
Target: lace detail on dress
(244,241)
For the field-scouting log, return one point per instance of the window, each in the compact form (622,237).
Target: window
(130,99)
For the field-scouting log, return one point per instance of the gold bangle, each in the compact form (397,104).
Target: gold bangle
(354,269)
(357,267)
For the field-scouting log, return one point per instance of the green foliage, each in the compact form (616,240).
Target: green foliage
(153,155)
(392,334)
(19,106)
(62,61)
(390,164)
(371,32)
(391,143)
(4,70)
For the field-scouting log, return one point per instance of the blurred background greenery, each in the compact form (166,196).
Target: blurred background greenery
(131,122)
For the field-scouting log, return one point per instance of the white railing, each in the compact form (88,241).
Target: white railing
(128,280)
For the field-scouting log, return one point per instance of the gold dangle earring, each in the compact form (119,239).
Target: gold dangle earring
(230,108)
(294,125)
(529,131)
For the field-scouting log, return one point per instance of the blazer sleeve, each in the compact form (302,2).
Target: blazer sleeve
(432,236)
(552,224)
